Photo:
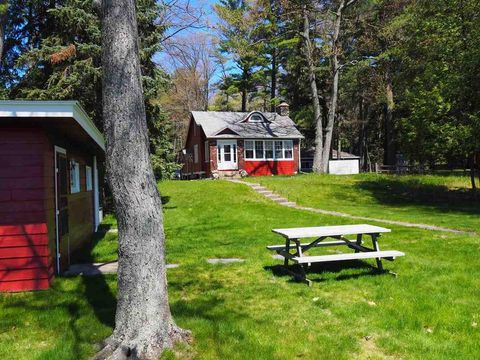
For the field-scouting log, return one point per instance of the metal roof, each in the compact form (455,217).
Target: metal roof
(233,125)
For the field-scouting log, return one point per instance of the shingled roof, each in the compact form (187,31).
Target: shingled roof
(221,124)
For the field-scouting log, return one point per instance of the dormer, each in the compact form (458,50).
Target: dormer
(255,117)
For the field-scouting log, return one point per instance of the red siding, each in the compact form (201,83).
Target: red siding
(197,137)
(25,261)
(263,168)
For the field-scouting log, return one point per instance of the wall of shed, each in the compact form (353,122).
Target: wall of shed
(26,261)
(80,205)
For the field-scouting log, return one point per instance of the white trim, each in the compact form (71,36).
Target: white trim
(264,158)
(56,150)
(52,109)
(233,163)
(96,197)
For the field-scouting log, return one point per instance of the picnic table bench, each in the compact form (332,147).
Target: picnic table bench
(338,233)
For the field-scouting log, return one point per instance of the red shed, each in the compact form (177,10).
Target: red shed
(226,143)
(50,156)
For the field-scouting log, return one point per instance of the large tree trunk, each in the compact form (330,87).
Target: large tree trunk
(244,100)
(144,326)
(334,93)
(389,149)
(3,19)
(273,85)
(308,51)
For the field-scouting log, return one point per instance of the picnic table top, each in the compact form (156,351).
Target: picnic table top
(319,231)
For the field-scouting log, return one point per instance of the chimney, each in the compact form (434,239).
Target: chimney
(283,109)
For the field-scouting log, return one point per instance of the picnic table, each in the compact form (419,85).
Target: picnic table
(293,243)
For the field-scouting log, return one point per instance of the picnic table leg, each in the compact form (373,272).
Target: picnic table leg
(287,249)
(377,248)
(359,241)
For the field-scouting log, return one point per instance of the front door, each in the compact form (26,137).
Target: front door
(61,208)
(227,154)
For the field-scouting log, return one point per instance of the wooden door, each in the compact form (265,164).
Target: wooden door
(61,199)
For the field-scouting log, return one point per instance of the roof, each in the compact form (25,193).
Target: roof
(221,124)
(52,109)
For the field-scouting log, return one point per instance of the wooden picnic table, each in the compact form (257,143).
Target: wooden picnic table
(338,233)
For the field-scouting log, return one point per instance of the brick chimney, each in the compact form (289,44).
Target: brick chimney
(283,109)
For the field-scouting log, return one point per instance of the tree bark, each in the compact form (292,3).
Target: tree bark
(244,100)
(273,85)
(3,19)
(472,172)
(308,51)
(389,150)
(144,326)
(334,93)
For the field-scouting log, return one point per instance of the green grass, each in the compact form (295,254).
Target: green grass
(442,200)
(252,310)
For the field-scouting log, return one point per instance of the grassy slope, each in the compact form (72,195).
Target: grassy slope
(248,310)
(436,200)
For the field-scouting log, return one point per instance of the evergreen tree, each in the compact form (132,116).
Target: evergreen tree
(53,52)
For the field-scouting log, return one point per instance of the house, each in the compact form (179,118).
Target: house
(50,178)
(229,143)
(341,162)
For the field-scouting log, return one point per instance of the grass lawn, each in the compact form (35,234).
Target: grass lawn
(442,200)
(251,310)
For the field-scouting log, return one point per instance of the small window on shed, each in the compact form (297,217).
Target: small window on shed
(74,177)
(88,178)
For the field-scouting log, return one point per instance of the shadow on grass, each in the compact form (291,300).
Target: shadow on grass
(220,322)
(318,270)
(406,192)
(84,254)
(101,299)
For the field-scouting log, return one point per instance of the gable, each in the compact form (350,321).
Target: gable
(227,131)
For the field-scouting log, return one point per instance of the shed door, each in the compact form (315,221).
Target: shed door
(61,199)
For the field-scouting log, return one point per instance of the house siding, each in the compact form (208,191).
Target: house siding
(25,256)
(27,207)
(197,137)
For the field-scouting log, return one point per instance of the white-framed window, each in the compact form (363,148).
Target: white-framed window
(88,178)
(278,149)
(74,177)
(195,153)
(207,151)
(256,118)
(259,154)
(288,148)
(249,146)
(268,150)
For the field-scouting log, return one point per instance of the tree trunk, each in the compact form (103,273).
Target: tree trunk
(308,51)
(144,326)
(389,151)
(3,19)
(273,85)
(244,100)
(472,172)
(334,96)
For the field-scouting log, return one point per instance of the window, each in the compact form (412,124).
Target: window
(278,149)
(269,149)
(227,152)
(88,178)
(259,150)
(256,118)
(74,177)
(249,149)
(288,146)
(195,153)
(207,152)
